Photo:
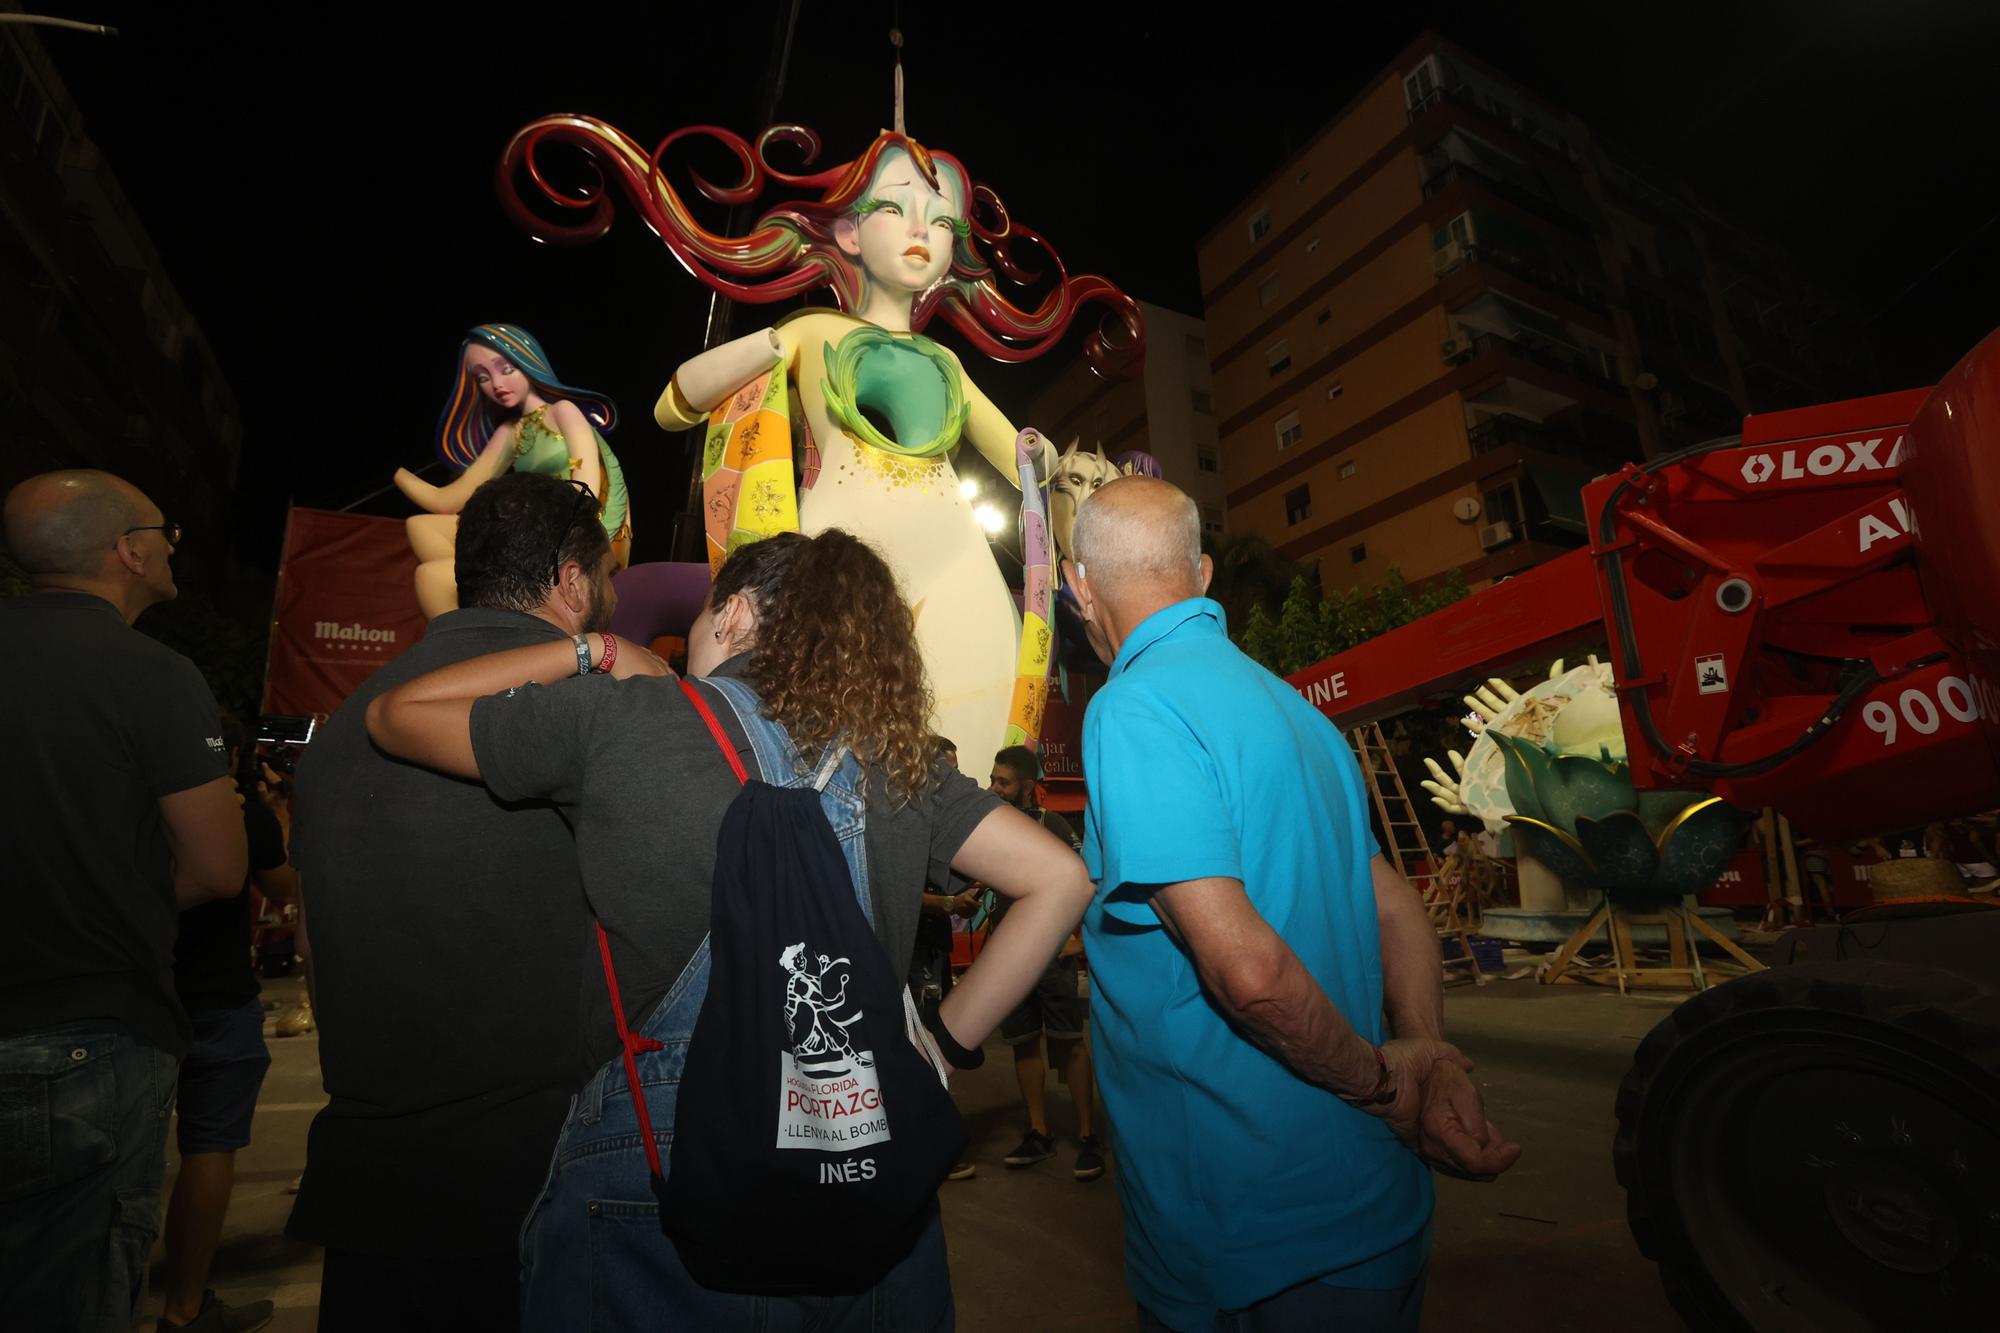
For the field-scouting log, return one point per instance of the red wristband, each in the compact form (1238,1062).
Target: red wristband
(610,654)
(1384,1091)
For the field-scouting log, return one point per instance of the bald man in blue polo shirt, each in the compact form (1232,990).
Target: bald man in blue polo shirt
(1266,989)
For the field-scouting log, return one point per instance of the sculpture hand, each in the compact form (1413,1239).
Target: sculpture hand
(1490,700)
(1447,791)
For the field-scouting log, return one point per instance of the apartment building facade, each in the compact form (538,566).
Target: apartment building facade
(1456,304)
(101,363)
(1168,411)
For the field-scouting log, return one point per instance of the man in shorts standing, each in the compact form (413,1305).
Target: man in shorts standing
(225,1065)
(1055,1008)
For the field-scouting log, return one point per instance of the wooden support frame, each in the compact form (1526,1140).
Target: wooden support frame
(1684,966)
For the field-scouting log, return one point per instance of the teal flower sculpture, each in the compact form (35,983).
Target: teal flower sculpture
(1582,819)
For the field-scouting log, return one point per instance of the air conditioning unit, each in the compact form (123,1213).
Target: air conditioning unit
(1456,350)
(1495,534)
(1449,257)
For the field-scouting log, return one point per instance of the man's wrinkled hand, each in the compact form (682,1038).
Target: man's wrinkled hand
(1410,1060)
(1452,1132)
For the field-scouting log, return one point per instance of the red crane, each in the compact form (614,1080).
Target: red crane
(1803,617)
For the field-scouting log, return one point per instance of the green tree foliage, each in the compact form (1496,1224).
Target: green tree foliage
(1249,575)
(1307,631)
(1260,636)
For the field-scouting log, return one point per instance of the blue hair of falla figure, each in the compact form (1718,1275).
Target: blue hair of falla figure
(470,418)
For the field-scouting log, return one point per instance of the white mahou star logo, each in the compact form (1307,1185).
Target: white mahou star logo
(1758,468)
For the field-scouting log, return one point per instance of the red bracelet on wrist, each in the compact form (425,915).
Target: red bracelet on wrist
(1384,1091)
(610,654)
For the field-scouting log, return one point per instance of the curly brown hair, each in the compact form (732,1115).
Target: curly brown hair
(836,653)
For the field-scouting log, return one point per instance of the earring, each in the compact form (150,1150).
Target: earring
(718,636)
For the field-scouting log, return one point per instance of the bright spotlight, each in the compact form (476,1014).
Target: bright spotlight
(990,518)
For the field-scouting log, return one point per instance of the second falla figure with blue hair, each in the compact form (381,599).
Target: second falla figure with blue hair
(507,410)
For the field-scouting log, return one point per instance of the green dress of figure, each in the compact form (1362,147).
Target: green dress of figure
(540,447)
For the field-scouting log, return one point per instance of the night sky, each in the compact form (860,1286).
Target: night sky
(320,178)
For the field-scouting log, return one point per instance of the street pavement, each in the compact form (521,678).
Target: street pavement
(1545,1246)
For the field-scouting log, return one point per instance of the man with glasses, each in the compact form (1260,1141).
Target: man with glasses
(116,810)
(450,944)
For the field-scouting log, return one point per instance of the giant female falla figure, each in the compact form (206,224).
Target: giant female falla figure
(898,235)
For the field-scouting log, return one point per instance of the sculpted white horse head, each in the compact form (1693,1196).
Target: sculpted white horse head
(1076,478)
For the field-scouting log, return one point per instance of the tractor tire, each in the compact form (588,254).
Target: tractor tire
(1818,1148)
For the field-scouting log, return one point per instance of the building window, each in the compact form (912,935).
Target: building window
(1312,245)
(1211,520)
(1298,504)
(1290,432)
(1278,358)
(1325,314)
(1420,84)
(1205,459)
(1504,506)
(1358,554)
(1196,349)
(1347,469)
(1334,390)
(1202,400)
(1260,225)
(1267,290)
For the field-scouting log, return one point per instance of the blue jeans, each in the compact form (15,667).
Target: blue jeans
(594,1259)
(1315,1307)
(83,1136)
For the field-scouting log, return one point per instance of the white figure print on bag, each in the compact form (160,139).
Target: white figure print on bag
(819,1038)
(830,1093)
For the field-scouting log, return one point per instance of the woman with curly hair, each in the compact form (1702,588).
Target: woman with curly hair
(810,635)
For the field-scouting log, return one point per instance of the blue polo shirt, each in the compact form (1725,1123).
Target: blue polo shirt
(1239,1179)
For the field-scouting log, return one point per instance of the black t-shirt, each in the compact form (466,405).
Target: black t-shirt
(212,956)
(99,723)
(646,787)
(448,933)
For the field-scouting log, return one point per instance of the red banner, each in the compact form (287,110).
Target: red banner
(345,605)
(1744,883)
(1061,749)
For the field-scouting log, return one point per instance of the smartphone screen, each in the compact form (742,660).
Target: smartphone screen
(279,729)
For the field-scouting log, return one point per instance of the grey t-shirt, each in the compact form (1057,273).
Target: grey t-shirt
(645,787)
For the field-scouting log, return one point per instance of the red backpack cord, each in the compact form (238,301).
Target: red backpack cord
(630,1043)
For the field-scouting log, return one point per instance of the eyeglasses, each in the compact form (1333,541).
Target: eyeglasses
(586,503)
(172,531)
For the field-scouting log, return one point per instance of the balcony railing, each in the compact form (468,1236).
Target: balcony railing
(1460,95)
(1499,432)
(1548,355)
(1442,176)
(1553,280)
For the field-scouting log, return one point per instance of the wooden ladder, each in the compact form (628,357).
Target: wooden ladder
(1405,843)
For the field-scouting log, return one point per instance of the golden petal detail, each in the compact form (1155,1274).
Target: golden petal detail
(1660,843)
(1551,829)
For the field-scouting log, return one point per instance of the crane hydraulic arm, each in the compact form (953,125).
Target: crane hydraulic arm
(1801,617)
